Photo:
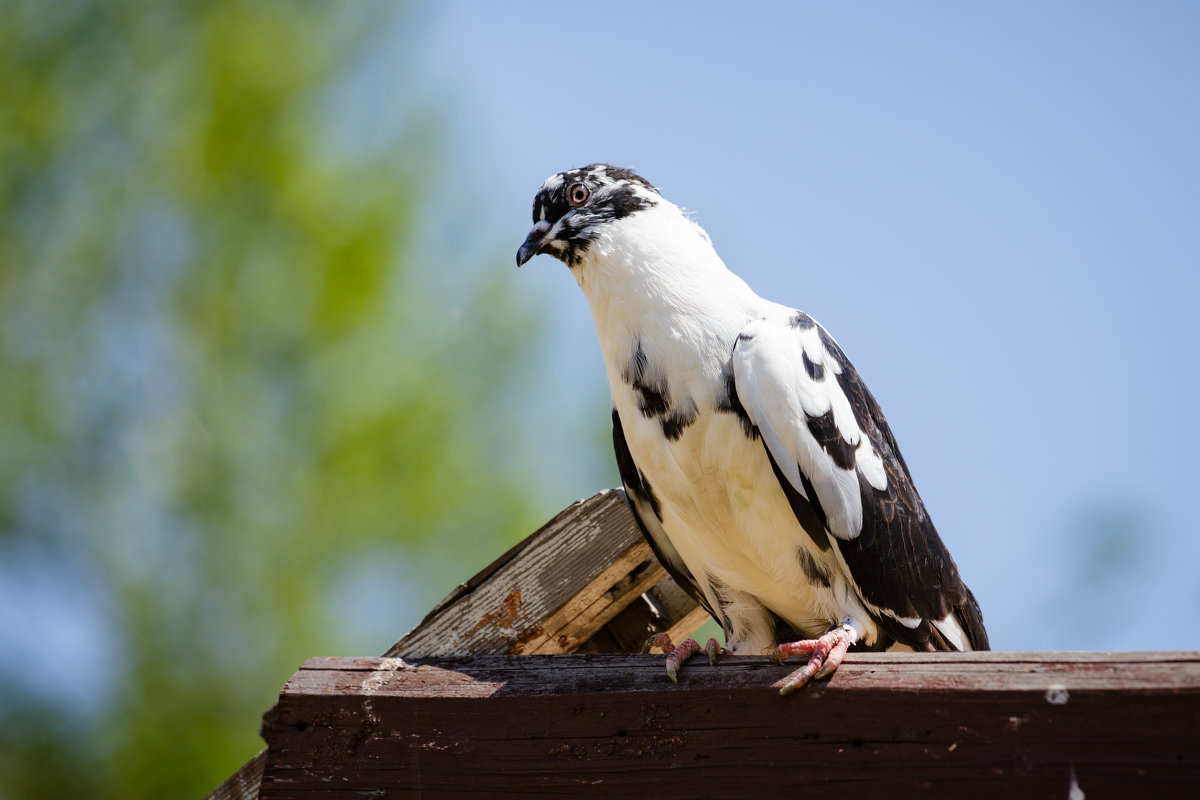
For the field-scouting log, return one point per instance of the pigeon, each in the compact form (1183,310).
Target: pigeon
(759,466)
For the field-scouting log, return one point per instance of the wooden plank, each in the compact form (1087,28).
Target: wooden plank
(550,593)
(897,725)
(661,607)
(632,573)
(243,784)
(677,612)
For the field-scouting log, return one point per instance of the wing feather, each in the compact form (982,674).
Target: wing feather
(831,445)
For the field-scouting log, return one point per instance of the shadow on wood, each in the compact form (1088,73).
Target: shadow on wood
(895,725)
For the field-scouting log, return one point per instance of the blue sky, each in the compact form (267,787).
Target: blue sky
(992,208)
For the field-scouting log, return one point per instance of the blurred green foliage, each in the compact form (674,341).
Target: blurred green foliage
(225,382)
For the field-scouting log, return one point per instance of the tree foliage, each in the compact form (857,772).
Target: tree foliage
(226,385)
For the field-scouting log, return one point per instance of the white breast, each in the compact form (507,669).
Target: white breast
(732,526)
(722,506)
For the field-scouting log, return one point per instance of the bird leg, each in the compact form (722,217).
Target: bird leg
(826,651)
(677,655)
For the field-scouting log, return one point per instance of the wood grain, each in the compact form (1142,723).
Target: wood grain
(550,593)
(900,725)
(581,580)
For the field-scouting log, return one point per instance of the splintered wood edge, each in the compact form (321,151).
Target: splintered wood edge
(534,595)
(243,784)
(596,603)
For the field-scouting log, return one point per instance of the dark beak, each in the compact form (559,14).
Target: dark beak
(534,242)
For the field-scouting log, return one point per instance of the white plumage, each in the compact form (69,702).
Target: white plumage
(758,465)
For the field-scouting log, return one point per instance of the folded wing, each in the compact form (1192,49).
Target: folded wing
(838,463)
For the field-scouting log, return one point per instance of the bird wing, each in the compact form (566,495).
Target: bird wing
(838,464)
(648,513)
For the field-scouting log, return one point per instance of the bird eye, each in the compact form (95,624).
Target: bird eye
(578,194)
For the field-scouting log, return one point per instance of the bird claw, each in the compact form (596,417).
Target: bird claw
(658,640)
(713,650)
(676,655)
(826,651)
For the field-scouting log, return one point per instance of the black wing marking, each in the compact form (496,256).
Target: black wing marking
(892,551)
(898,560)
(647,510)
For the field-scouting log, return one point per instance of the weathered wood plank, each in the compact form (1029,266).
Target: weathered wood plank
(599,601)
(243,784)
(929,725)
(548,594)
(661,607)
(553,592)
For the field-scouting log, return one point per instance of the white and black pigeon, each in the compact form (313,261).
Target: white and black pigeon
(758,464)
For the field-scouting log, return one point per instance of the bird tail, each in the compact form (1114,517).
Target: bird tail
(971,620)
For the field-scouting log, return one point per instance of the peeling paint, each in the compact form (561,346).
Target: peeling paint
(1073,791)
(505,617)
(1057,695)
(372,683)
(381,673)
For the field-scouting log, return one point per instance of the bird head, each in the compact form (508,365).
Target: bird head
(572,208)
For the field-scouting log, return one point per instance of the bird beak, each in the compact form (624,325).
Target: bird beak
(534,242)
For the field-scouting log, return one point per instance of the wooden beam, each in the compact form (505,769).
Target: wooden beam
(975,725)
(243,784)
(551,593)
(586,579)
(661,607)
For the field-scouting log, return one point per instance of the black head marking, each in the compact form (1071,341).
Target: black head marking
(571,208)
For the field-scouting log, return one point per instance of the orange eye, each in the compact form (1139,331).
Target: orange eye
(578,194)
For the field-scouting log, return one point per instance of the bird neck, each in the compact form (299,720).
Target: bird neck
(656,277)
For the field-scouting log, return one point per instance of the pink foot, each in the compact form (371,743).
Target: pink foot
(827,653)
(677,655)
